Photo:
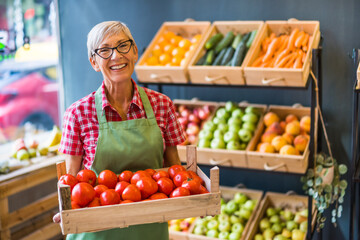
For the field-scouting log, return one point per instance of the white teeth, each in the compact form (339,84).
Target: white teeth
(118,66)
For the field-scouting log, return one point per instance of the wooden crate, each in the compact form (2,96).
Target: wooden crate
(174,235)
(275,161)
(278,200)
(228,193)
(124,215)
(225,157)
(35,218)
(282,76)
(358,76)
(223,74)
(170,74)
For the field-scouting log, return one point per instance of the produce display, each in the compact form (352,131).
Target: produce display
(228,50)
(231,222)
(282,224)
(289,136)
(231,128)
(172,50)
(180,225)
(87,190)
(283,51)
(191,119)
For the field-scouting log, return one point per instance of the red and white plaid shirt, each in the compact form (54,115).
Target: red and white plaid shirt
(81,127)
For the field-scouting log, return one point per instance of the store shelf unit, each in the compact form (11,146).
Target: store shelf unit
(316,68)
(355,168)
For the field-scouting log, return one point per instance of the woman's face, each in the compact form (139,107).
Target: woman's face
(119,66)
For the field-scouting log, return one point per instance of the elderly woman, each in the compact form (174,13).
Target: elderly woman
(121,126)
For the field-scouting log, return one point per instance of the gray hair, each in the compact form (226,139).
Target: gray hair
(105,29)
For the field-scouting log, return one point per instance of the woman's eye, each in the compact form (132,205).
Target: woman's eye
(104,50)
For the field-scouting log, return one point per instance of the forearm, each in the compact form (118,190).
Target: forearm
(171,156)
(73,164)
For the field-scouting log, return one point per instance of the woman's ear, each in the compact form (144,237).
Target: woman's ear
(136,53)
(94,64)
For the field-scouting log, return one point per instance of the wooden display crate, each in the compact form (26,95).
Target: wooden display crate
(124,215)
(170,74)
(358,76)
(282,76)
(223,74)
(225,157)
(228,193)
(279,200)
(275,161)
(174,235)
(34,220)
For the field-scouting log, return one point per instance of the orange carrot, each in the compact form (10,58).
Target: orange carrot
(298,60)
(284,43)
(292,38)
(257,61)
(290,63)
(281,55)
(271,49)
(284,60)
(299,39)
(265,44)
(305,40)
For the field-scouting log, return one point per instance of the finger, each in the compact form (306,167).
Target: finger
(56,218)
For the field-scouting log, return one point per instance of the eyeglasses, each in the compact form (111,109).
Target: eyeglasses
(123,47)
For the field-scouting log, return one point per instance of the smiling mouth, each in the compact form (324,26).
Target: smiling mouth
(118,66)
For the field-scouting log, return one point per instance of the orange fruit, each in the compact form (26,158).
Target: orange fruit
(175,40)
(192,47)
(182,63)
(185,43)
(178,52)
(156,51)
(187,53)
(176,60)
(168,48)
(152,61)
(162,42)
(196,38)
(164,58)
(169,35)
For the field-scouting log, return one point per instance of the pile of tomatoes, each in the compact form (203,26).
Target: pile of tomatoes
(87,190)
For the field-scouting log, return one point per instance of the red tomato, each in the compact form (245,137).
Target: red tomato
(203,189)
(107,178)
(165,185)
(132,193)
(160,174)
(196,177)
(109,197)
(157,196)
(179,192)
(126,201)
(150,171)
(120,186)
(86,175)
(99,189)
(147,187)
(126,176)
(192,185)
(68,179)
(174,169)
(74,205)
(83,193)
(180,177)
(192,173)
(139,174)
(95,202)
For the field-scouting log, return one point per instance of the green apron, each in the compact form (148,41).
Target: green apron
(128,145)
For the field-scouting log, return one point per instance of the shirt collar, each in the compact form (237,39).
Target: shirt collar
(136,100)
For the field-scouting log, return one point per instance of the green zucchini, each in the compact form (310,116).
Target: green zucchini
(246,37)
(225,42)
(228,55)
(210,57)
(236,41)
(201,61)
(219,57)
(251,38)
(239,54)
(214,40)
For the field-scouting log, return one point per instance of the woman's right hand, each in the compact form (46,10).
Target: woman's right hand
(56,218)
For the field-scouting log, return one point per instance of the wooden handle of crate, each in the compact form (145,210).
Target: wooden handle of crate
(64,195)
(158,77)
(271,80)
(272,168)
(219,162)
(60,168)
(215,181)
(191,158)
(213,79)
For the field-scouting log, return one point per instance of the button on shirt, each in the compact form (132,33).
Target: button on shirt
(81,126)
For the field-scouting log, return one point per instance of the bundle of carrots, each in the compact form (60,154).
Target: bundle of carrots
(284,51)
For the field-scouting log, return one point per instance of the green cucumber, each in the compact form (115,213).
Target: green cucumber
(236,41)
(214,40)
(238,55)
(219,57)
(246,37)
(228,55)
(251,38)
(201,61)
(210,57)
(225,42)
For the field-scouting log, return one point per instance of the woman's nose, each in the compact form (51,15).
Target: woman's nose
(116,54)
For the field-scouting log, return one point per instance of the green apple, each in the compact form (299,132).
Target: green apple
(224,235)
(304,213)
(244,213)
(251,109)
(259,236)
(240,198)
(237,227)
(291,225)
(230,106)
(249,126)
(234,121)
(231,207)
(205,134)
(217,120)
(223,127)
(250,204)
(224,226)
(200,230)
(286,233)
(296,234)
(222,201)
(279,237)
(32,152)
(212,224)
(223,217)
(217,143)
(22,154)
(218,134)
(231,136)
(204,143)
(303,226)
(221,113)
(234,219)
(270,212)
(234,236)
(234,128)
(264,224)
(43,150)
(250,117)
(288,215)
(210,126)
(238,113)
(223,209)
(268,233)
(275,219)
(233,145)
(276,227)
(201,222)
(213,233)
(245,135)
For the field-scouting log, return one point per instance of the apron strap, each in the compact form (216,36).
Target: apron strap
(147,106)
(98,103)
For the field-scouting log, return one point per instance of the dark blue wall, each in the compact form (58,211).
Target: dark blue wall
(339,21)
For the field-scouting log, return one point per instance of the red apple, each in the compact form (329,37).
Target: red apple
(193,129)
(191,139)
(193,118)
(203,115)
(183,121)
(185,113)
(181,108)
